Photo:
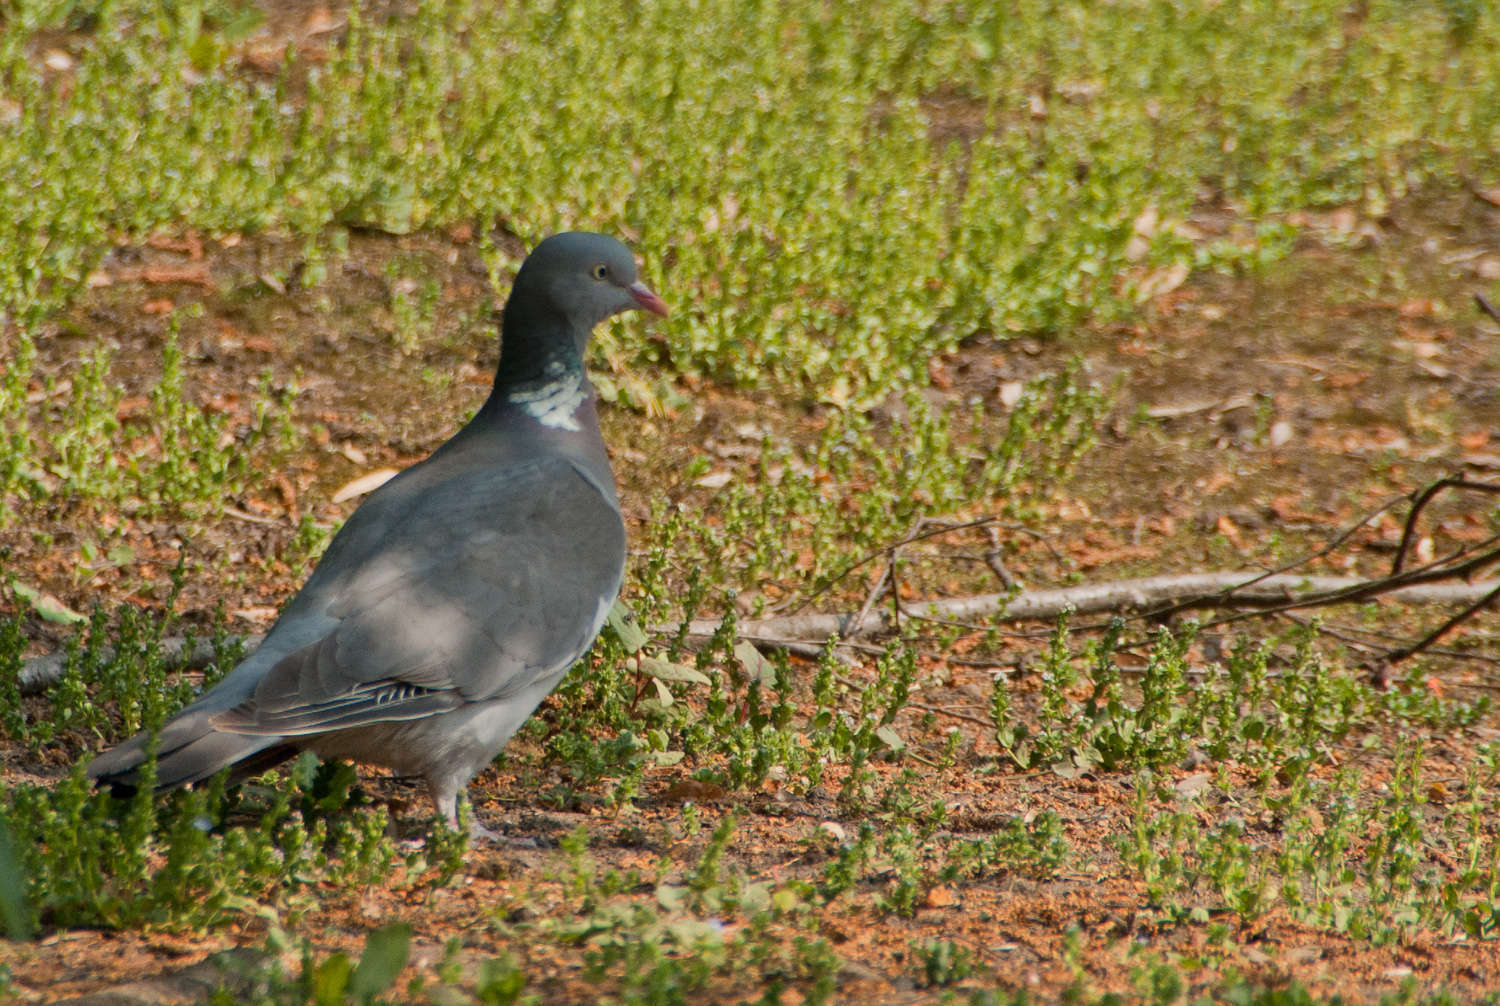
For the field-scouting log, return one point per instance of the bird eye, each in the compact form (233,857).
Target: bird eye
(600,272)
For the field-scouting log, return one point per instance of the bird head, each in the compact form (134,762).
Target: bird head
(586,278)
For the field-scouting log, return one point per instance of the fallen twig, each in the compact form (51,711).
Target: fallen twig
(1381,667)
(1365,638)
(925,529)
(1440,581)
(1486,306)
(1419,504)
(952,714)
(1433,574)
(1184,590)
(39,672)
(1328,549)
(874,594)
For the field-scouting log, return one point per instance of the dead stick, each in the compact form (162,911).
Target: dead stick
(873,596)
(1186,590)
(1486,306)
(1445,569)
(951,714)
(917,534)
(1332,546)
(1398,655)
(39,672)
(1451,482)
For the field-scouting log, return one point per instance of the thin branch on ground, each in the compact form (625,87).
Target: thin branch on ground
(39,672)
(1486,306)
(1446,568)
(874,595)
(992,558)
(951,714)
(807,635)
(1443,580)
(1425,497)
(1363,638)
(917,534)
(1328,549)
(1381,666)
(1184,590)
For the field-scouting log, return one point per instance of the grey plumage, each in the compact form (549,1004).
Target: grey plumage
(456,598)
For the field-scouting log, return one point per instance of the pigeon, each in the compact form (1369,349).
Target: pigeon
(459,594)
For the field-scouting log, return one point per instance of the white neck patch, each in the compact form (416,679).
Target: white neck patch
(555,402)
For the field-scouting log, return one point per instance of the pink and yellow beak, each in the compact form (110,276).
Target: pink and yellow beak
(647,298)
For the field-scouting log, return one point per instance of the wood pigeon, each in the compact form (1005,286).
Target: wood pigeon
(458,595)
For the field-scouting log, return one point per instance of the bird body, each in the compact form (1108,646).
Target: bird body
(459,594)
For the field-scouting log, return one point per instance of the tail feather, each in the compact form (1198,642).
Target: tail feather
(190,750)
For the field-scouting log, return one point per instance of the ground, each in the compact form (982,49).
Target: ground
(1254,416)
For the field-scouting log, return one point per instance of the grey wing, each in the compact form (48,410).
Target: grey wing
(478,590)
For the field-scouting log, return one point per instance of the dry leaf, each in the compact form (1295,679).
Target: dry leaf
(1194,784)
(941,897)
(684,790)
(187,244)
(157,275)
(938,373)
(365,484)
(1473,440)
(320,22)
(834,830)
(1165,280)
(1229,530)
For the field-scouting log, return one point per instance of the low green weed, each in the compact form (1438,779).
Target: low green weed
(805,515)
(413,305)
(749,723)
(117,678)
(332,980)
(673,948)
(1106,730)
(910,861)
(1279,722)
(182,861)
(942,962)
(194,465)
(175,454)
(1370,866)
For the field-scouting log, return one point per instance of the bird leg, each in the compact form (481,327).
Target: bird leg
(445,799)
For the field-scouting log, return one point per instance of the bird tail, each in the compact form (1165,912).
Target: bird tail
(189,750)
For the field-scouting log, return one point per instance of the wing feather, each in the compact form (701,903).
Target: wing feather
(486,588)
